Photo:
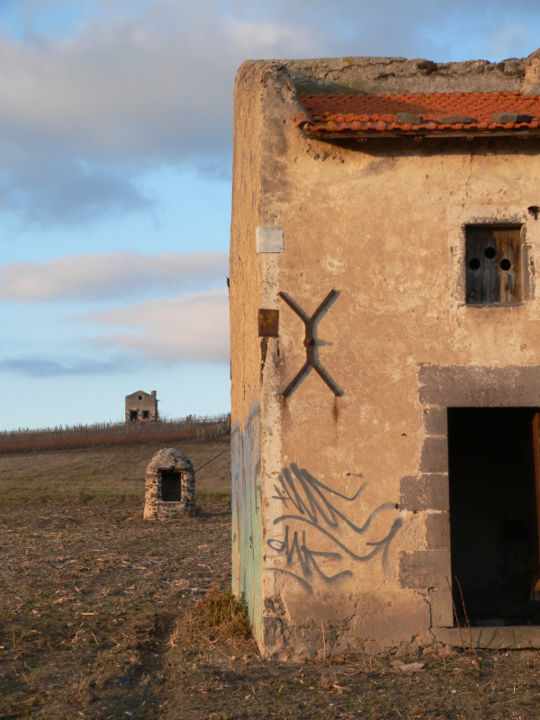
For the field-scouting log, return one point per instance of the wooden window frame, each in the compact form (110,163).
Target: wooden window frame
(494,264)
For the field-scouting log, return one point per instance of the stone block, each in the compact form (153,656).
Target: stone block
(424,492)
(455,386)
(442,614)
(436,421)
(434,455)
(438,531)
(424,569)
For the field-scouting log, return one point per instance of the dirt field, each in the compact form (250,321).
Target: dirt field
(97,614)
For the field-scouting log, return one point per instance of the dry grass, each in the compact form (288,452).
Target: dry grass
(106,616)
(219,615)
(114,434)
(88,473)
(94,593)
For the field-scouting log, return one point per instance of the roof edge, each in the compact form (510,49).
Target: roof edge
(364,74)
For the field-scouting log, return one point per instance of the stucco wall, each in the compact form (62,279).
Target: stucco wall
(244,293)
(383,224)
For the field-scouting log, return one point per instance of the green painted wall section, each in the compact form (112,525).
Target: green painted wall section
(247,537)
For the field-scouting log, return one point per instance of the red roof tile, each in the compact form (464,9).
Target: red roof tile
(426,113)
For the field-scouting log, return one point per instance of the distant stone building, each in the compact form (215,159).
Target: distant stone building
(385,353)
(141,406)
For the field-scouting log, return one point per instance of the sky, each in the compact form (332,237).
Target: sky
(115,179)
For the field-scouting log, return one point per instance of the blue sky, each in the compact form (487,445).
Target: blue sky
(115,165)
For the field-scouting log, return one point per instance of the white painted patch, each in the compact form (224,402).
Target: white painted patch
(269,239)
(333,265)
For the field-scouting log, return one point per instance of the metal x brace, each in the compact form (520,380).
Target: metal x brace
(310,343)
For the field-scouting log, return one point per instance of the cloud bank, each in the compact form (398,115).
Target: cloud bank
(39,366)
(111,275)
(191,328)
(137,86)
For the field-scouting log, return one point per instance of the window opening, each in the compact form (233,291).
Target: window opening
(132,414)
(145,414)
(493,264)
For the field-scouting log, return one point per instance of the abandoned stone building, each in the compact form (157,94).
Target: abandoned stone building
(141,406)
(385,350)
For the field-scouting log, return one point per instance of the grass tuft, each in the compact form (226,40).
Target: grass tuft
(221,614)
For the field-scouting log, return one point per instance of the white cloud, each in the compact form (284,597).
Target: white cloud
(126,88)
(110,275)
(191,328)
(83,116)
(139,85)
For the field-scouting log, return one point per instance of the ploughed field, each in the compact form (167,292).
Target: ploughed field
(106,616)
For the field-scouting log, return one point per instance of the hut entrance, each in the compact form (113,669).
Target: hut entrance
(171,485)
(494,510)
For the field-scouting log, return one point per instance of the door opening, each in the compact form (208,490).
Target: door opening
(494,507)
(171,485)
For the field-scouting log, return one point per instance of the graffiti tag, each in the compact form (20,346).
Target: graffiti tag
(310,502)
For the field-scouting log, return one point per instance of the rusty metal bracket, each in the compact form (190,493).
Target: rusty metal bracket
(310,343)
(268,321)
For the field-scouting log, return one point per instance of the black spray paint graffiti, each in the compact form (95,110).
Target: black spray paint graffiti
(310,502)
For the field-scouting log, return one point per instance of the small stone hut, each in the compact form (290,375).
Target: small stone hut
(170,485)
(141,406)
(385,349)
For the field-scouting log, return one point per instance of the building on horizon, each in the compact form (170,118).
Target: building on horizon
(141,406)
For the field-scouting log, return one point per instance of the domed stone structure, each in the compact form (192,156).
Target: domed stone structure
(170,485)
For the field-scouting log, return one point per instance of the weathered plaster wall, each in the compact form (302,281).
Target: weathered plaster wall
(245,294)
(383,224)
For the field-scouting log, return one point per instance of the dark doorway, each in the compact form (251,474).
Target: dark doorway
(171,485)
(493,515)
(133,415)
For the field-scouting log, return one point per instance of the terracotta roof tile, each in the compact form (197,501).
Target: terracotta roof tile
(426,113)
